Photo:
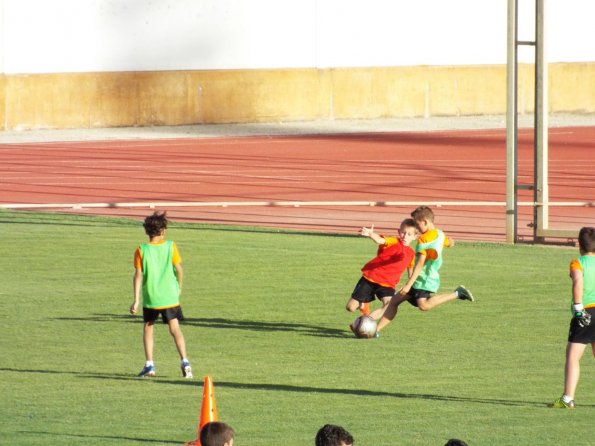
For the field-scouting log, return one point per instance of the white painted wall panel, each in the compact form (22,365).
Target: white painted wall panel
(41,36)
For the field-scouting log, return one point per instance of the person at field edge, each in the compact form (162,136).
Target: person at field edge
(381,274)
(158,277)
(425,279)
(333,435)
(582,331)
(217,433)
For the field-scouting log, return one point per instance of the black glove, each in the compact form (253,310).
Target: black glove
(583,319)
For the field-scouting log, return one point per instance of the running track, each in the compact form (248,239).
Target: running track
(418,167)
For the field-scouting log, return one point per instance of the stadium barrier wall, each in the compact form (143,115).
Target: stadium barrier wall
(2,102)
(150,98)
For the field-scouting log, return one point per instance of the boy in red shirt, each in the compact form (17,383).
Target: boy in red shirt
(381,274)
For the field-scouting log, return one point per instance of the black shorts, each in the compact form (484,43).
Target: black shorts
(415,294)
(167,314)
(366,291)
(582,335)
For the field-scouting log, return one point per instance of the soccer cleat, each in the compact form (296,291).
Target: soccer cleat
(148,370)
(186,369)
(464,294)
(364,308)
(561,404)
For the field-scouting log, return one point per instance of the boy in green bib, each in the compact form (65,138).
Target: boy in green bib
(158,278)
(582,330)
(425,279)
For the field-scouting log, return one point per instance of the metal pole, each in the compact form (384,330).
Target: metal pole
(511,124)
(541,193)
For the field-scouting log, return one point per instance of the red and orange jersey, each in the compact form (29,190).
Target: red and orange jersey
(391,260)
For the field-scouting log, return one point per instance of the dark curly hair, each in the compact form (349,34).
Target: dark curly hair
(216,433)
(331,435)
(586,239)
(155,223)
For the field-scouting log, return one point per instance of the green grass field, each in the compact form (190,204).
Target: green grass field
(266,320)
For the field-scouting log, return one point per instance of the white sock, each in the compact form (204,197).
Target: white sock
(567,398)
(149,363)
(185,360)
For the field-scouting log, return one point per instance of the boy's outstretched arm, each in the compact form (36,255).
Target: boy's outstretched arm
(419,264)
(137,282)
(369,232)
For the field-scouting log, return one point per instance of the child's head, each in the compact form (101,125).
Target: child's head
(586,240)
(333,435)
(155,224)
(424,218)
(407,231)
(216,433)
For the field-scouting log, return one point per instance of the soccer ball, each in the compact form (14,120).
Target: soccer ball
(364,327)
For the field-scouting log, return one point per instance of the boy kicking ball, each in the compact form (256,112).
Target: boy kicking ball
(381,274)
(424,282)
(158,276)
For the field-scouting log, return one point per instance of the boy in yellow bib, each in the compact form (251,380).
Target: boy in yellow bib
(158,277)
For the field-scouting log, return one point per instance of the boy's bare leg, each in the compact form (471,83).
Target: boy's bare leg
(426,304)
(572,370)
(352,305)
(176,332)
(391,310)
(379,312)
(148,340)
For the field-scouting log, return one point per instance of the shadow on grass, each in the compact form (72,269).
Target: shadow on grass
(223,323)
(105,437)
(305,329)
(293,389)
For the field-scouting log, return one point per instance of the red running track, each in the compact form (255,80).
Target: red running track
(419,167)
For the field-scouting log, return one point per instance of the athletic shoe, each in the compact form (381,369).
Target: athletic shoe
(561,404)
(365,309)
(149,370)
(186,369)
(464,294)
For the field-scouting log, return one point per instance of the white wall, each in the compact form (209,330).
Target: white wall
(47,36)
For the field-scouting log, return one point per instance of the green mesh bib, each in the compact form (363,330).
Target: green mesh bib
(588,265)
(160,284)
(429,278)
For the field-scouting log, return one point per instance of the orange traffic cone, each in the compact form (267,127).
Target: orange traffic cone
(208,410)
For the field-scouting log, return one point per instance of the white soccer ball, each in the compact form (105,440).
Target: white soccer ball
(364,327)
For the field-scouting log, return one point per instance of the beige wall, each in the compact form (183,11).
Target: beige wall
(2,102)
(89,100)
